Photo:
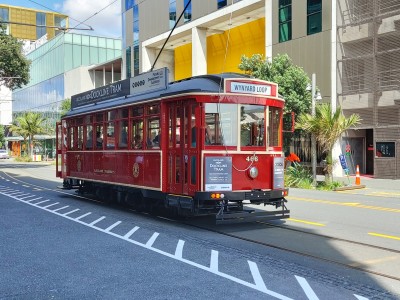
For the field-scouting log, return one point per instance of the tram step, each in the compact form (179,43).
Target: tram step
(247,217)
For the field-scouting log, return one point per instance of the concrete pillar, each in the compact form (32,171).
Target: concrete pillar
(199,51)
(148,57)
(112,72)
(268,29)
(104,75)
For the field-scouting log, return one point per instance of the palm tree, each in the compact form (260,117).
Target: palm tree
(28,125)
(328,127)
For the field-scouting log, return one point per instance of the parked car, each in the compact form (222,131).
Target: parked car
(4,154)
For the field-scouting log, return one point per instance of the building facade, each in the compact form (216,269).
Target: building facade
(66,65)
(351,45)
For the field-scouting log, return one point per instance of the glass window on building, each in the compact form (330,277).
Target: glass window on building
(60,22)
(188,12)
(285,20)
(314,16)
(40,24)
(4,16)
(136,58)
(128,62)
(221,3)
(129,4)
(172,13)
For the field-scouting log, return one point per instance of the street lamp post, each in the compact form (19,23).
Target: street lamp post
(313,140)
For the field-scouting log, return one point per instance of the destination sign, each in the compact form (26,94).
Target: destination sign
(249,86)
(148,82)
(113,90)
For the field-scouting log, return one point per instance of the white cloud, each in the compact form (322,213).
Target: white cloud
(105,23)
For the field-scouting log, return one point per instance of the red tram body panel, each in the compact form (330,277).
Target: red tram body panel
(204,145)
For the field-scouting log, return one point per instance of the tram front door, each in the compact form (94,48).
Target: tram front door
(182,147)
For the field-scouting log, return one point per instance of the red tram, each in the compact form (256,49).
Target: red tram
(204,145)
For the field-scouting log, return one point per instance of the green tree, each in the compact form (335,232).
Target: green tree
(292,79)
(328,127)
(2,139)
(14,67)
(65,106)
(28,125)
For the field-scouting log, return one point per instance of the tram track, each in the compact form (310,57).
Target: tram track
(212,228)
(305,254)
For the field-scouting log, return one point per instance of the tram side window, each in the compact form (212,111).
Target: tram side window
(252,125)
(89,137)
(123,134)
(71,131)
(80,137)
(153,133)
(110,135)
(274,128)
(137,134)
(99,136)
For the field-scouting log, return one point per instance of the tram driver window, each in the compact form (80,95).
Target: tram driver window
(274,128)
(221,124)
(252,125)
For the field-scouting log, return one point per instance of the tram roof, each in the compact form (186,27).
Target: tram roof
(196,84)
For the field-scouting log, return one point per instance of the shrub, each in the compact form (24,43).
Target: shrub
(298,176)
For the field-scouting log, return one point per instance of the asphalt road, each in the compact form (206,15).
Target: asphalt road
(55,245)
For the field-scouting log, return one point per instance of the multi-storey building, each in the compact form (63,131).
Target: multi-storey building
(351,45)
(27,25)
(32,24)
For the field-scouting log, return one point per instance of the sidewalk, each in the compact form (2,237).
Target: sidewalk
(371,184)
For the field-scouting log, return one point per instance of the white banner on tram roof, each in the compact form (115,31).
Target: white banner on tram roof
(250,88)
(148,82)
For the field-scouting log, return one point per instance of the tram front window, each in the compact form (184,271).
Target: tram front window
(221,124)
(252,125)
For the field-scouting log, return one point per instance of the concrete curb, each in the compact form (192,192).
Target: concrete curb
(350,187)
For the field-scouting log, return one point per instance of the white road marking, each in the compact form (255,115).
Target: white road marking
(97,221)
(132,231)
(27,197)
(78,218)
(70,212)
(51,205)
(15,182)
(258,284)
(113,225)
(60,208)
(24,185)
(214,261)
(34,199)
(306,288)
(151,241)
(179,249)
(257,276)
(42,202)
(360,297)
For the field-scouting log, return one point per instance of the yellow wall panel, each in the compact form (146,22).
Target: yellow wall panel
(183,62)
(247,39)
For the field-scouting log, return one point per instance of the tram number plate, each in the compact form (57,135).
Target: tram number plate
(252,158)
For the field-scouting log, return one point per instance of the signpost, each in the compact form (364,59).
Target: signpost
(343,163)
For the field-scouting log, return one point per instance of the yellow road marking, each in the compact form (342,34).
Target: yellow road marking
(375,261)
(385,236)
(386,193)
(306,222)
(345,204)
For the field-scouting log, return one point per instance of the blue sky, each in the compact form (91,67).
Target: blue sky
(105,23)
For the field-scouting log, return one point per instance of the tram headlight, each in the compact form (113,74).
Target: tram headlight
(253,172)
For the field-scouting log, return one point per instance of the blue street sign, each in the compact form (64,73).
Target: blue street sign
(343,162)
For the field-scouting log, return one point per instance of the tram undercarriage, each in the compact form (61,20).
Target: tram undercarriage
(231,208)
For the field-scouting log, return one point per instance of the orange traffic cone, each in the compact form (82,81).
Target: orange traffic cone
(358,179)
